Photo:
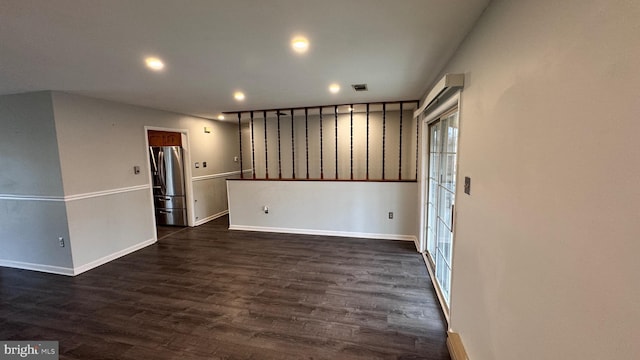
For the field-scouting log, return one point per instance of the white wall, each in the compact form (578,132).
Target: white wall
(109,207)
(32,211)
(341,208)
(545,255)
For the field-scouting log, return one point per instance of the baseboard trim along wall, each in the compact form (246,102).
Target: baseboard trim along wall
(324,233)
(103,260)
(37,267)
(456,348)
(209,218)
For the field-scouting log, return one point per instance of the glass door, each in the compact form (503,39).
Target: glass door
(443,145)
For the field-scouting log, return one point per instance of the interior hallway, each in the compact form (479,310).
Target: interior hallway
(209,293)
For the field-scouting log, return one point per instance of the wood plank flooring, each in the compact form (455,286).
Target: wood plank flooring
(211,293)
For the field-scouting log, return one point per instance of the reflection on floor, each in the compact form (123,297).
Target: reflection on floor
(164,231)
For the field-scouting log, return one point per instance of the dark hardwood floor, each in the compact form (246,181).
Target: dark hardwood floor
(211,293)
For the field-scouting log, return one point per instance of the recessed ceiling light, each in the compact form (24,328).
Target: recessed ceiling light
(154,63)
(334,88)
(300,44)
(238,95)
(220,117)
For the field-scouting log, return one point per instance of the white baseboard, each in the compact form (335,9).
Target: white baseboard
(324,232)
(103,260)
(37,267)
(456,348)
(212,217)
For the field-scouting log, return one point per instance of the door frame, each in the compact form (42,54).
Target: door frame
(432,115)
(188,182)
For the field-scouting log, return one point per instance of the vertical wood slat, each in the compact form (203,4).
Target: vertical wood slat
(400,147)
(279,153)
(253,150)
(417,138)
(266,147)
(321,149)
(384,134)
(351,140)
(367,141)
(306,137)
(293,149)
(240,136)
(335,109)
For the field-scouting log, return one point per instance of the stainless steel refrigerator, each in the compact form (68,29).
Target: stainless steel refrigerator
(167,169)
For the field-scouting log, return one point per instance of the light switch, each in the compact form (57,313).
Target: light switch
(204,164)
(197,165)
(136,169)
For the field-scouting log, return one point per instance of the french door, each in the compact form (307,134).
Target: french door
(443,146)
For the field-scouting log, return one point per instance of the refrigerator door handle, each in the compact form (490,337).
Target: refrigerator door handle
(161,172)
(164,212)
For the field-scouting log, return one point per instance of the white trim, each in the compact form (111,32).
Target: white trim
(215,176)
(31,197)
(436,286)
(456,347)
(103,260)
(451,102)
(106,192)
(74,197)
(37,267)
(212,217)
(324,232)
(448,81)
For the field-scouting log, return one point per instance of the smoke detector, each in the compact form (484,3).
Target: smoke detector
(359,87)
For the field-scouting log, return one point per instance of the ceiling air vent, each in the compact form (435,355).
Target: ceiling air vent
(359,87)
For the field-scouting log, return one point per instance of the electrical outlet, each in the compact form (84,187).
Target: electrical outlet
(61,241)
(390,214)
(265,209)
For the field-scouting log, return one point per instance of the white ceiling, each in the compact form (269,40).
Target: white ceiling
(213,47)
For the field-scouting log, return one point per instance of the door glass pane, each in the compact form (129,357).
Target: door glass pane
(443,137)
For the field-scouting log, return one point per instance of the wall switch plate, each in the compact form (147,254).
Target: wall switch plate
(136,169)
(235,159)
(61,241)
(467,185)
(265,209)
(197,165)
(390,214)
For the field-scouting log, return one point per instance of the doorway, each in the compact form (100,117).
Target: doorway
(442,148)
(176,135)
